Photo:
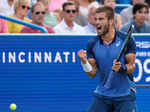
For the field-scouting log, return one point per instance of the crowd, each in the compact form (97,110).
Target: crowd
(71,16)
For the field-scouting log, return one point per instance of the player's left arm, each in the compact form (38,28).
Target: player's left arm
(130,56)
(130,62)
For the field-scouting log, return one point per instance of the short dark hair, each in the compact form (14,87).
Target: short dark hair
(65,4)
(140,6)
(108,10)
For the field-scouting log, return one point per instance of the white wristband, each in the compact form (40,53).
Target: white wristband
(86,67)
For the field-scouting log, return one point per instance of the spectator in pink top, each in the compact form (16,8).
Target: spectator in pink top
(3,26)
(37,15)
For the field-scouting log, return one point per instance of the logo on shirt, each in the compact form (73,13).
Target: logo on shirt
(118,44)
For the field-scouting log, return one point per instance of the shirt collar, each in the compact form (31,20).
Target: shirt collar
(66,26)
(101,41)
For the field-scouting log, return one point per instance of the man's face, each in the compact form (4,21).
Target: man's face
(70,13)
(102,23)
(38,15)
(141,15)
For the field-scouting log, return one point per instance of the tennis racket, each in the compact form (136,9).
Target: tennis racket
(111,74)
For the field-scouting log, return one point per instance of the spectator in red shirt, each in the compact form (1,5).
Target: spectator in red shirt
(37,16)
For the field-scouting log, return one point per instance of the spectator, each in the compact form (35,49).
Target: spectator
(50,18)
(118,19)
(90,27)
(82,17)
(67,25)
(126,13)
(21,8)
(140,12)
(7,7)
(3,26)
(37,15)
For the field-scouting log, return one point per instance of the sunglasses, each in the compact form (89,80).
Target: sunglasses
(69,11)
(39,12)
(25,7)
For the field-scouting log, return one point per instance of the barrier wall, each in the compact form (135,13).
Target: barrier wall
(42,73)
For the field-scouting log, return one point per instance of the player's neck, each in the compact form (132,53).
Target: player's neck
(108,38)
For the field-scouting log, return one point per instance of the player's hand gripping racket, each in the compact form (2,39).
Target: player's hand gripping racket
(111,74)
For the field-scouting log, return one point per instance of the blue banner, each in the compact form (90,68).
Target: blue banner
(142,71)
(42,73)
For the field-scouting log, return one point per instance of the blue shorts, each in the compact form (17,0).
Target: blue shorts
(114,104)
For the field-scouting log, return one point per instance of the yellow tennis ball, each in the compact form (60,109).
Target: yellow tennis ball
(12,106)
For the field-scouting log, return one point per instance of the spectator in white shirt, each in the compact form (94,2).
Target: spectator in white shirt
(67,25)
(7,7)
(90,27)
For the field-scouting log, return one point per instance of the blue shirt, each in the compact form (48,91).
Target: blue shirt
(104,56)
(145,28)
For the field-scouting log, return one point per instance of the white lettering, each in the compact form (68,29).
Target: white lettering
(147,70)
(73,57)
(138,78)
(37,57)
(29,57)
(58,58)
(11,57)
(66,56)
(47,57)
(143,44)
(4,59)
(21,54)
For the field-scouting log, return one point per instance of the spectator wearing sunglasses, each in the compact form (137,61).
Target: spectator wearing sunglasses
(51,18)
(37,16)
(67,25)
(21,8)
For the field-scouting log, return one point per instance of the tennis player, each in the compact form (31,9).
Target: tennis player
(100,59)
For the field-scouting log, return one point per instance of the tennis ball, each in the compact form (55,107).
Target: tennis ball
(12,106)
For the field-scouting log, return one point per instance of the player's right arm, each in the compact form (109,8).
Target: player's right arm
(89,64)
